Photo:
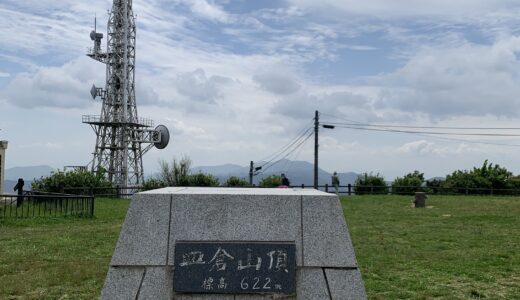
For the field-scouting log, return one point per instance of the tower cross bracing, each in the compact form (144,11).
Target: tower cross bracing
(120,133)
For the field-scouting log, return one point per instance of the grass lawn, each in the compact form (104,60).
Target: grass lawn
(460,248)
(61,258)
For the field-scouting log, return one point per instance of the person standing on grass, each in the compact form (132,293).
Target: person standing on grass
(19,187)
(335,182)
(285,180)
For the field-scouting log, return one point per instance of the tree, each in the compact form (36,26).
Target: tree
(481,180)
(409,184)
(369,183)
(153,184)
(235,181)
(175,173)
(271,181)
(202,179)
(435,185)
(69,181)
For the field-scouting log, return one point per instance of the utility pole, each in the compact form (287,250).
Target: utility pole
(251,167)
(253,171)
(316,130)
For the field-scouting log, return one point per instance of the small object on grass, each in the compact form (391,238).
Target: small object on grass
(420,199)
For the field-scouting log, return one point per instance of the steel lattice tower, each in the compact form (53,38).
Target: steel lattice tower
(120,133)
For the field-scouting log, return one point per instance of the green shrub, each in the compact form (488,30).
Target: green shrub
(481,180)
(369,183)
(202,179)
(69,181)
(271,181)
(235,181)
(175,173)
(409,184)
(435,186)
(152,184)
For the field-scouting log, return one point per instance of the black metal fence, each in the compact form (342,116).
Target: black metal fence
(45,205)
(350,189)
(107,192)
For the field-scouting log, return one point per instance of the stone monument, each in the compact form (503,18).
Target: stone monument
(234,243)
(3,147)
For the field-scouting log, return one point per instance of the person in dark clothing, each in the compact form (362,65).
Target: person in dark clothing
(335,182)
(285,180)
(19,187)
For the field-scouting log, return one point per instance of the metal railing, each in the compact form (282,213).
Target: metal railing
(34,204)
(107,192)
(350,189)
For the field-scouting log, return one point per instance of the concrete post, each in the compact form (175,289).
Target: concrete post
(420,199)
(3,147)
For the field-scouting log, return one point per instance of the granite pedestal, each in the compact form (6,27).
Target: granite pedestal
(142,265)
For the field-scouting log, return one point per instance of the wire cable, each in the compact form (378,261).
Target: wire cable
(431,132)
(435,137)
(278,153)
(300,133)
(289,153)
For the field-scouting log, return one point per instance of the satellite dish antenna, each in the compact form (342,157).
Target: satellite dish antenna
(93,91)
(165,137)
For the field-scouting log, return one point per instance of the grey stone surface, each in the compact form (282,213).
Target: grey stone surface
(157,284)
(144,236)
(203,297)
(312,285)
(326,240)
(122,283)
(264,297)
(235,217)
(142,262)
(237,191)
(346,284)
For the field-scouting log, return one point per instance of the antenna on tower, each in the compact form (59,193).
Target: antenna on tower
(120,133)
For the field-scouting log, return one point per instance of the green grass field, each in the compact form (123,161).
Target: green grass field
(458,248)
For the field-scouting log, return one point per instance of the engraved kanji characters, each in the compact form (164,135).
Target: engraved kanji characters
(249,262)
(192,258)
(278,260)
(219,260)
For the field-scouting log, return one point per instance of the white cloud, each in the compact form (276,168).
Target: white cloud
(405,8)
(62,87)
(277,81)
(426,148)
(466,80)
(208,10)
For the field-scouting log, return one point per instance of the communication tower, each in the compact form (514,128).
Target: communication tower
(120,134)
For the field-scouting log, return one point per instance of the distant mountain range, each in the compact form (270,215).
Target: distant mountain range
(27,173)
(298,172)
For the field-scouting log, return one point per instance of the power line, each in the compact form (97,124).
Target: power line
(278,153)
(431,132)
(430,136)
(424,127)
(289,153)
(300,133)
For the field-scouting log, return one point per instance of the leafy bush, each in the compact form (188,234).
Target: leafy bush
(481,180)
(202,179)
(271,181)
(409,184)
(369,183)
(66,181)
(435,186)
(175,173)
(235,181)
(152,184)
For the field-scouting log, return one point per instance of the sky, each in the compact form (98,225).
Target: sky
(234,81)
